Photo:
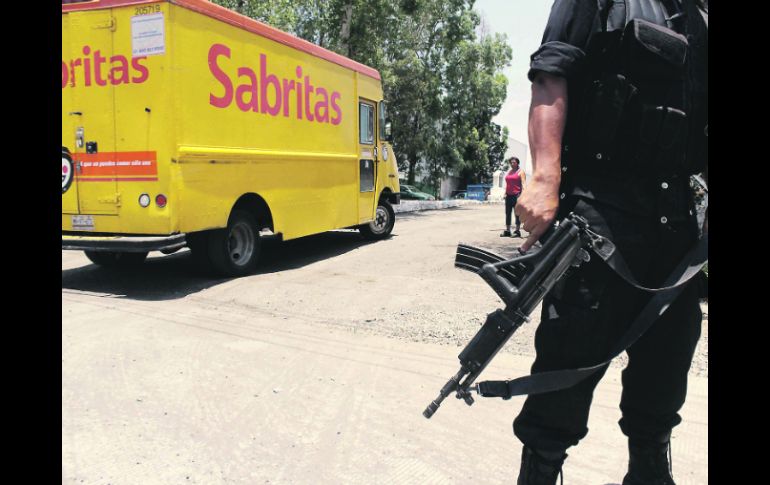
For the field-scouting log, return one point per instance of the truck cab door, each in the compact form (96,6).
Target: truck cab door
(367,161)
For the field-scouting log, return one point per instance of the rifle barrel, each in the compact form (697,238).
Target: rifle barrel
(451,385)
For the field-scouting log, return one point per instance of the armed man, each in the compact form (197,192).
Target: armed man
(618,123)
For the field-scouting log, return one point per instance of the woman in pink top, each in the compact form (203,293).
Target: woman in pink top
(514,184)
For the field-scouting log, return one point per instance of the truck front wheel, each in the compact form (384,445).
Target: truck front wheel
(234,251)
(115,259)
(382,225)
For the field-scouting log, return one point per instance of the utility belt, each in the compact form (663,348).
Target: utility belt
(669,197)
(630,116)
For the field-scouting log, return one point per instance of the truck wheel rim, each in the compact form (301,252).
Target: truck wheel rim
(241,244)
(381,220)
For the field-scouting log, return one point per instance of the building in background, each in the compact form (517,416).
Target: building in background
(450,184)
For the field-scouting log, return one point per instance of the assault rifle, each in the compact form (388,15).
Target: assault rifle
(522,283)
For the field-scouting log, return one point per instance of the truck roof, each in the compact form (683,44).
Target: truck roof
(223,14)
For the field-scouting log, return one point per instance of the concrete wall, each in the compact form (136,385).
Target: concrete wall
(421,205)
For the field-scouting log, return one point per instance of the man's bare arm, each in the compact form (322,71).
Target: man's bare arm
(547,115)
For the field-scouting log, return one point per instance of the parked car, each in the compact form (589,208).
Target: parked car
(410,192)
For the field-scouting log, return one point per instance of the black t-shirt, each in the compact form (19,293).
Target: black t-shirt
(563,52)
(566,36)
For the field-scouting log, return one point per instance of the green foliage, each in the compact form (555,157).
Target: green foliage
(442,80)
(281,14)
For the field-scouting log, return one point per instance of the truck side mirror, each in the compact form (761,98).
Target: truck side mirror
(388,131)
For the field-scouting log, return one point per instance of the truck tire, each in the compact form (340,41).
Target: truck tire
(113,259)
(382,225)
(234,251)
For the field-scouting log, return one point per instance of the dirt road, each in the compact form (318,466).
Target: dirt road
(314,370)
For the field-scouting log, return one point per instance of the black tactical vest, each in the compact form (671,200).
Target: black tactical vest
(638,110)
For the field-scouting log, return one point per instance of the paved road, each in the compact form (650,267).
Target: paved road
(314,370)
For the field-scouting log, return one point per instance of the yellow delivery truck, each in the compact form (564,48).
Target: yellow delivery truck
(186,124)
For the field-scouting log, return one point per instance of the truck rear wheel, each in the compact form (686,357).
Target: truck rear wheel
(234,251)
(115,259)
(382,225)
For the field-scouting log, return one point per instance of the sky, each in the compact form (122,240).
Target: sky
(523,22)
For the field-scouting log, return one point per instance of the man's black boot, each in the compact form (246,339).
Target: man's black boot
(539,467)
(648,464)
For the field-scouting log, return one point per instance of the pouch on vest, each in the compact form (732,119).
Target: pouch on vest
(606,102)
(662,138)
(652,52)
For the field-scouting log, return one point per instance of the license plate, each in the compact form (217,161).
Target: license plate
(82,223)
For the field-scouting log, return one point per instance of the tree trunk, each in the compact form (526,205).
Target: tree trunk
(345,30)
(412,159)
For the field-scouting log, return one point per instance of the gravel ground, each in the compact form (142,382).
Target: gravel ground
(431,301)
(456,325)
(456,329)
(405,287)
(170,376)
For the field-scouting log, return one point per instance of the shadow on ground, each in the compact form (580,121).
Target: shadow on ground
(176,275)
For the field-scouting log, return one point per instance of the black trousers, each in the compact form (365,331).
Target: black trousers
(588,311)
(510,203)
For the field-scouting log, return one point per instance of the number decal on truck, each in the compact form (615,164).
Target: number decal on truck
(147,9)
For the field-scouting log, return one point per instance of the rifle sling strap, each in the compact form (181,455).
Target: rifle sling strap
(611,256)
(659,303)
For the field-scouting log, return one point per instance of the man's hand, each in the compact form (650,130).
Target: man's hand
(537,209)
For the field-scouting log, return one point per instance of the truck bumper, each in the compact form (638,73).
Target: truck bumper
(123,244)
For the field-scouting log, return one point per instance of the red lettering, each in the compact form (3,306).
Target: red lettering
(119,65)
(87,66)
(299,92)
(268,93)
(65,74)
(299,95)
(98,61)
(73,64)
(288,86)
(250,88)
(224,101)
(143,72)
(92,62)
(322,105)
(264,81)
(308,90)
(336,121)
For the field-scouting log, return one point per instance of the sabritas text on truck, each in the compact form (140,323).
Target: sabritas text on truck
(90,67)
(312,103)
